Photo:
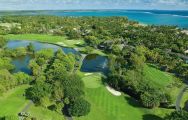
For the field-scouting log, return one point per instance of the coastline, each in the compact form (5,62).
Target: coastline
(185,31)
(143,24)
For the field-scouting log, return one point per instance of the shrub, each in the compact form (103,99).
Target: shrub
(80,107)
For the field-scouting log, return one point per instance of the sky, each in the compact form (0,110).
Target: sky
(92,4)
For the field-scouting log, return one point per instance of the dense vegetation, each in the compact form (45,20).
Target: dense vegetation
(165,44)
(56,85)
(9,80)
(131,47)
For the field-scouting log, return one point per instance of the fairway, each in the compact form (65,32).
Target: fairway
(44,114)
(13,101)
(159,78)
(59,40)
(105,106)
(108,107)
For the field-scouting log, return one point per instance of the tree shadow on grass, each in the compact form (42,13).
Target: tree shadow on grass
(151,117)
(133,102)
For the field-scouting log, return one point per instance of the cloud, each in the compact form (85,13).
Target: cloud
(92,4)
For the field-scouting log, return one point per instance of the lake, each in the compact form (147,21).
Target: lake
(157,17)
(92,63)
(95,63)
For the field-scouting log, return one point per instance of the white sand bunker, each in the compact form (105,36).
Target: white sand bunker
(87,74)
(185,31)
(61,43)
(113,91)
(78,43)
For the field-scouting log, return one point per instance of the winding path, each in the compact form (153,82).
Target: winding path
(179,98)
(27,106)
(68,118)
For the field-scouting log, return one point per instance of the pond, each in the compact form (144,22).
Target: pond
(95,63)
(91,63)
(38,46)
(21,64)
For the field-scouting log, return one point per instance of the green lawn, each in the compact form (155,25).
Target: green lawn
(105,106)
(93,80)
(163,80)
(93,51)
(60,40)
(13,101)
(159,78)
(44,114)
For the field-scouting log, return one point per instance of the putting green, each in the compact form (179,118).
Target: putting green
(93,80)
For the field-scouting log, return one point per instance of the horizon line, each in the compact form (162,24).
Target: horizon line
(91,9)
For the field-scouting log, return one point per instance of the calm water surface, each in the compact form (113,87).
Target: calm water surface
(95,63)
(92,63)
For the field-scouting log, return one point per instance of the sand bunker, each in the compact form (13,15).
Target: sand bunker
(185,31)
(113,91)
(87,74)
(78,43)
(61,43)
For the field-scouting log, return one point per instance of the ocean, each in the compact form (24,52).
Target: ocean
(156,17)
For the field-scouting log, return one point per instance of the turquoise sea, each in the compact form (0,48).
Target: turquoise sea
(157,17)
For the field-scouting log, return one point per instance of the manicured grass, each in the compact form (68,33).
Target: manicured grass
(13,101)
(44,114)
(105,106)
(61,40)
(99,52)
(163,80)
(184,99)
(159,78)
(94,51)
(92,81)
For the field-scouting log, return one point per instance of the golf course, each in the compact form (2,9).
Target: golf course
(91,68)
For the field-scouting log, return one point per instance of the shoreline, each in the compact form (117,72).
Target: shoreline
(185,31)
